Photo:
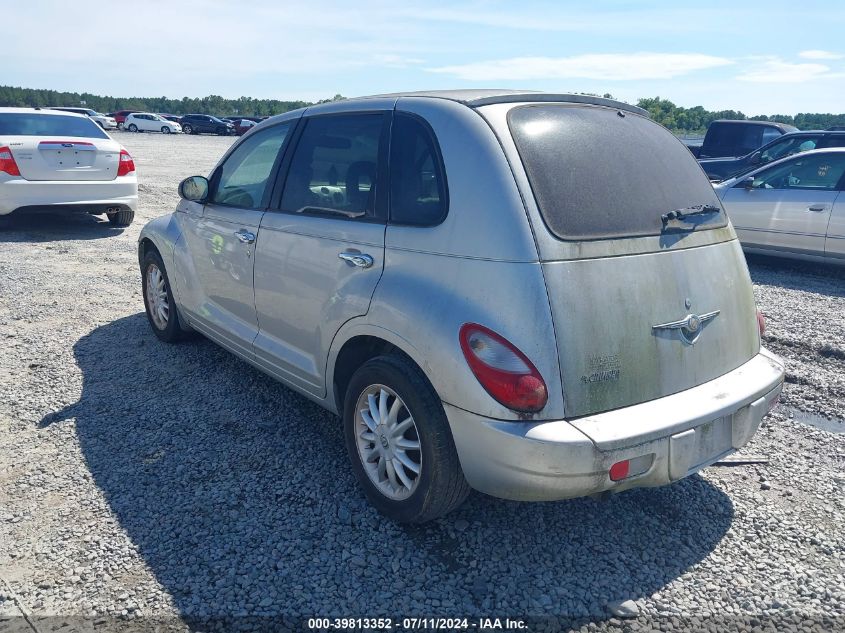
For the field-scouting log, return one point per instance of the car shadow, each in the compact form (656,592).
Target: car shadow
(237,491)
(55,227)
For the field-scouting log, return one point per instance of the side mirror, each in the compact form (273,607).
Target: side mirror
(748,182)
(194,188)
(755,158)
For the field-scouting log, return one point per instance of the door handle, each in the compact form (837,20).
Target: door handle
(245,236)
(361,260)
(817,207)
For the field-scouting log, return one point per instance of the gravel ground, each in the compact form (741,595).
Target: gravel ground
(142,483)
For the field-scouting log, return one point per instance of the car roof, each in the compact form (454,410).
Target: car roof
(45,111)
(783,126)
(475,98)
(815,132)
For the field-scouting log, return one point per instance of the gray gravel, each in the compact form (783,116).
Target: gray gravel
(140,480)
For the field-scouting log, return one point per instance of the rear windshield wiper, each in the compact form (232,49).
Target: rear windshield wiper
(686,212)
(344,213)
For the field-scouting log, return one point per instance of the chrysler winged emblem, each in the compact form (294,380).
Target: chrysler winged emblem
(690,327)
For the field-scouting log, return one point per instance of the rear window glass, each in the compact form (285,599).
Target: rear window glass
(598,175)
(34,124)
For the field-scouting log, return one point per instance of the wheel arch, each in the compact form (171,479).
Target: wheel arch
(355,344)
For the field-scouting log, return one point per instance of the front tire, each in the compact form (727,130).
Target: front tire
(399,442)
(165,129)
(121,218)
(158,299)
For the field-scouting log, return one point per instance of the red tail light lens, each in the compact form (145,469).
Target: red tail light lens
(504,372)
(761,323)
(126,165)
(7,162)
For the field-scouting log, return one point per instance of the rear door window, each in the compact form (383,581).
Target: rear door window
(35,124)
(598,173)
(334,169)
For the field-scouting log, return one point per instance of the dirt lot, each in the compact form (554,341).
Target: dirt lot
(142,483)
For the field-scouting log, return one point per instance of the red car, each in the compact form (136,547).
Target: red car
(242,126)
(120,116)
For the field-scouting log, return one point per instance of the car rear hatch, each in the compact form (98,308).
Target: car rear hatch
(645,303)
(58,147)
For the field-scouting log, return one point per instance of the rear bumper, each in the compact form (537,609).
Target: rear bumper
(680,434)
(17,194)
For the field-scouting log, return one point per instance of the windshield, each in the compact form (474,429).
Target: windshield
(599,173)
(34,124)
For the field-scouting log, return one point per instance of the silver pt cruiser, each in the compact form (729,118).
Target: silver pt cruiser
(537,296)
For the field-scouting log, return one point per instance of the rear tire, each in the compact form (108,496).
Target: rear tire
(439,485)
(187,129)
(133,127)
(155,286)
(120,125)
(121,218)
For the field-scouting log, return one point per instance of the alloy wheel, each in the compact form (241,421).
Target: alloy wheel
(388,442)
(157,302)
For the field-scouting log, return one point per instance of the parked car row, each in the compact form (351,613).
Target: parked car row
(189,123)
(718,169)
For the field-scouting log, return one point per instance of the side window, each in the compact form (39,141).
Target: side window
(833,140)
(770,134)
(417,183)
(243,177)
(819,172)
(335,165)
(750,138)
(789,146)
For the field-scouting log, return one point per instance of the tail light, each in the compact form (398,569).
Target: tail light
(7,162)
(761,323)
(126,164)
(504,372)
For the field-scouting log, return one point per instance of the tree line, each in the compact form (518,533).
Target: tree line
(695,120)
(13,96)
(677,118)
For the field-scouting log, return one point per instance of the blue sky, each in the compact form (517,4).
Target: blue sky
(758,57)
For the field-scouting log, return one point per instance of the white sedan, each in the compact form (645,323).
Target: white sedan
(794,207)
(148,122)
(58,161)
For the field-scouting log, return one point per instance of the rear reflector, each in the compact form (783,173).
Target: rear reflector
(126,165)
(619,470)
(504,371)
(7,162)
(631,467)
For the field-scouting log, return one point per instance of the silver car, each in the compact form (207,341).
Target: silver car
(794,207)
(537,296)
